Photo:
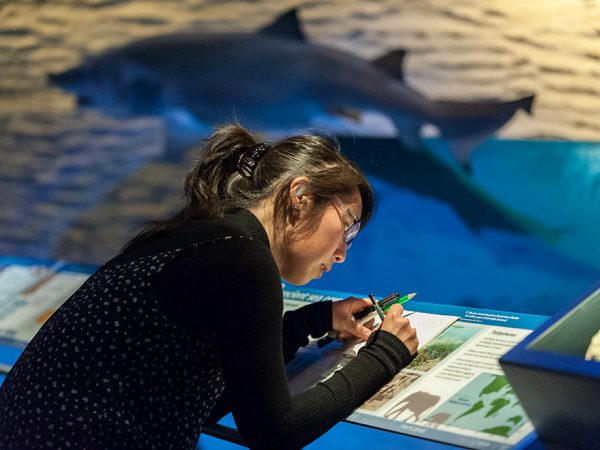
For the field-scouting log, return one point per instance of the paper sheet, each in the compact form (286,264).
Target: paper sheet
(427,325)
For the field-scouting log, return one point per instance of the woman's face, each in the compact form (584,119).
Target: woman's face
(308,254)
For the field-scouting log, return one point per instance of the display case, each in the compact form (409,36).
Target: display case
(558,387)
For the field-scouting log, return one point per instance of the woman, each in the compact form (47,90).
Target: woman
(187,322)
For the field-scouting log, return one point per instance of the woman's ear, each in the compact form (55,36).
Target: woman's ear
(298,191)
(299,199)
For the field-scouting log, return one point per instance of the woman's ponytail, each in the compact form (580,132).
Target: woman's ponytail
(235,171)
(207,183)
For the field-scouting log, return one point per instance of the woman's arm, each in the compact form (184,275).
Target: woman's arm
(313,320)
(253,365)
(238,282)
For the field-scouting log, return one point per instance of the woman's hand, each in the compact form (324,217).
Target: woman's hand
(343,321)
(400,326)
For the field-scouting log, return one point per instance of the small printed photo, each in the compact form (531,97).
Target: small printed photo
(440,347)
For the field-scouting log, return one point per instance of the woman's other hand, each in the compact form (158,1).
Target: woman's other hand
(343,321)
(400,326)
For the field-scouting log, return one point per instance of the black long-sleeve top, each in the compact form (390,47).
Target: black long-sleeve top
(217,323)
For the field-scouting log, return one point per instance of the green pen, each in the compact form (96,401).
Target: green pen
(400,301)
(367,314)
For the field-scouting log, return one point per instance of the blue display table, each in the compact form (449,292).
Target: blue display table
(362,429)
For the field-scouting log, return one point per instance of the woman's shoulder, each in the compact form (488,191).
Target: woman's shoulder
(236,240)
(201,234)
(240,251)
(241,224)
(200,231)
(236,264)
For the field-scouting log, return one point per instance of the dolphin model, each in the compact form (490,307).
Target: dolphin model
(270,80)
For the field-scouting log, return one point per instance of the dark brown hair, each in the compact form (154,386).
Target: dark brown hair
(213,187)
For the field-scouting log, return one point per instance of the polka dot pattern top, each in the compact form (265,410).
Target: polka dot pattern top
(134,360)
(120,372)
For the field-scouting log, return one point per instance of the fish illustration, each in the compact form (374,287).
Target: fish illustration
(270,80)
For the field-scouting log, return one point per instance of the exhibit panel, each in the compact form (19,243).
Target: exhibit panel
(555,372)
(458,355)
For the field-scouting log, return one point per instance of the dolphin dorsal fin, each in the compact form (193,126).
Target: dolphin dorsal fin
(285,26)
(392,63)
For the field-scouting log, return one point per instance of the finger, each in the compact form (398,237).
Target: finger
(358,304)
(356,330)
(364,332)
(397,309)
(360,331)
(343,335)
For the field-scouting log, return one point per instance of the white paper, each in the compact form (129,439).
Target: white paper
(427,325)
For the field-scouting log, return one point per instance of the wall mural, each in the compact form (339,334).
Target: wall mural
(270,80)
(475,121)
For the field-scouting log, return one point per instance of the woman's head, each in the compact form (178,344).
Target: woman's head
(215,187)
(317,235)
(297,178)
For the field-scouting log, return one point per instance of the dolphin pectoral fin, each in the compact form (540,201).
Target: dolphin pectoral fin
(285,26)
(183,130)
(410,137)
(392,63)
(462,148)
(408,131)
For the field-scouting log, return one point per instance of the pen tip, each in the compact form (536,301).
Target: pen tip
(412,295)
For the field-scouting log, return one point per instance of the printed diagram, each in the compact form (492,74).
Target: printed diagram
(487,404)
(429,356)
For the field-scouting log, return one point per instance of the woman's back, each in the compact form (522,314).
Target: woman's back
(139,356)
(113,362)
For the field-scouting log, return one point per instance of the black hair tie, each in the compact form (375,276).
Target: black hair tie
(249,159)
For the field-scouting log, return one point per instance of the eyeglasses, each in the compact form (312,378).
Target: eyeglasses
(350,231)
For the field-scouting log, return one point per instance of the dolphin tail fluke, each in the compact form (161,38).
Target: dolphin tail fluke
(526,104)
(466,125)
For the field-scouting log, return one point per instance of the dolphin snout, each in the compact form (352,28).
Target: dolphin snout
(68,78)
